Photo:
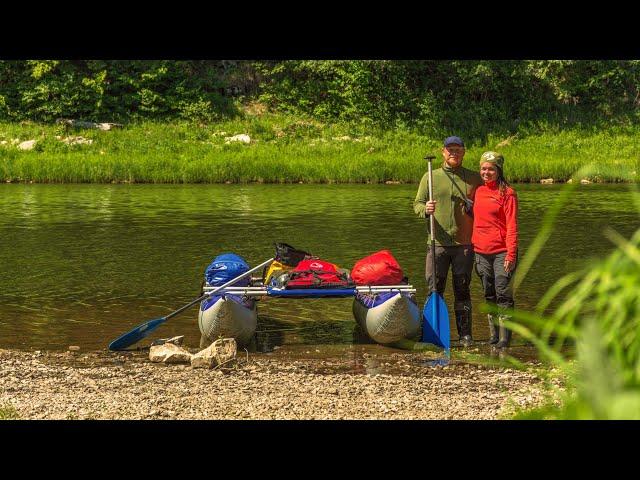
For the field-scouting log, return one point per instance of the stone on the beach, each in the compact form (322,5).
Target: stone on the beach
(28,145)
(584,181)
(244,138)
(203,359)
(546,180)
(219,352)
(169,353)
(175,340)
(74,348)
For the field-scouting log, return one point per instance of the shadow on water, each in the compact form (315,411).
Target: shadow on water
(273,332)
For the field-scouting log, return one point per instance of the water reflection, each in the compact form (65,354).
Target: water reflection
(83,264)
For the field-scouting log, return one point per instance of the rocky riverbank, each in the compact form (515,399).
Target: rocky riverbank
(104,385)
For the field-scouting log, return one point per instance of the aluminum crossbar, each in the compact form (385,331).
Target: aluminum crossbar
(309,292)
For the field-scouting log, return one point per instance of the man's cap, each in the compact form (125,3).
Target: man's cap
(453,140)
(492,157)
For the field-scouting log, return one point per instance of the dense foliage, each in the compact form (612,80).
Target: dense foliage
(44,90)
(475,97)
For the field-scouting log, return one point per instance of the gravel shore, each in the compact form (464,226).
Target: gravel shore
(126,385)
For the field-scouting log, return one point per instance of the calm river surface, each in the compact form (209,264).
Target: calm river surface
(82,264)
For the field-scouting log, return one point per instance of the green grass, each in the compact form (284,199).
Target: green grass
(287,149)
(8,412)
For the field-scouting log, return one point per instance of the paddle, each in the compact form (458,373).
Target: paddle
(435,315)
(146,328)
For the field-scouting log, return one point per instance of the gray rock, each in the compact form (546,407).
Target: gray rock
(243,137)
(169,353)
(28,145)
(108,126)
(77,140)
(82,124)
(221,351)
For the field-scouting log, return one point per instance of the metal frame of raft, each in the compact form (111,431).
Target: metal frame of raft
(312,292)
(396,318)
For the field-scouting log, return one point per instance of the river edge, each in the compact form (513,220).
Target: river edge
(127,386)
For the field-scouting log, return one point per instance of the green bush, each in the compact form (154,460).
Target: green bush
(473,98)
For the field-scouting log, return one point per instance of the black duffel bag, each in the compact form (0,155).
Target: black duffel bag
(291,256)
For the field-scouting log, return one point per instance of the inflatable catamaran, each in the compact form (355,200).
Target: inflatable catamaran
(384,303)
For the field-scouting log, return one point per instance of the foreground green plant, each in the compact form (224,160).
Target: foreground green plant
(600,315)
(8,412)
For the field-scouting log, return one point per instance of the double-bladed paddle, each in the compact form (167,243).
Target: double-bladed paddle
(435,315)
(146,328)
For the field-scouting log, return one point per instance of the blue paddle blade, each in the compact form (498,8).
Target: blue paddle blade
(136,334)
(435,322)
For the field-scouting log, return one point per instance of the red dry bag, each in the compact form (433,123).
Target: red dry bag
(379,268)
(317,274)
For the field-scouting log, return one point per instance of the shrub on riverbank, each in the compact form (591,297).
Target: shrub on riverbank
(286,148)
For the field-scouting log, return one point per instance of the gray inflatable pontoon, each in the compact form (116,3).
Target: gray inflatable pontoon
(227,318)
(395,319)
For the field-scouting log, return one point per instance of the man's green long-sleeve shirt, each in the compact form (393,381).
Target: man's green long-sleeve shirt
(453,226)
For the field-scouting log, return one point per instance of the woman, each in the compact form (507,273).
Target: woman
(495,241)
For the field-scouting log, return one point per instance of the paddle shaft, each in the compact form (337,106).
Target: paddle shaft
(208,294)
(435,315)
(432,230)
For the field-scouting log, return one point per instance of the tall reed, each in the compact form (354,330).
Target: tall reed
(599,315)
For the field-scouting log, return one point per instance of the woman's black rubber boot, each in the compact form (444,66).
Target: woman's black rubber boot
(505,333)
(493,329)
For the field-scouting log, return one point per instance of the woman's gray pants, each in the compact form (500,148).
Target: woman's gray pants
(496,283)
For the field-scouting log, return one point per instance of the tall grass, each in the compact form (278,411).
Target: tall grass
(289,149)
(599,314)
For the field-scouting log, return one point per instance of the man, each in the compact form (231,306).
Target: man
(453,192)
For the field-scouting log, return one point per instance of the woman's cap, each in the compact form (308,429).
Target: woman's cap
(492,157)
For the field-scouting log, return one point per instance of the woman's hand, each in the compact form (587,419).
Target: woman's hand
(509,266)
(430,207)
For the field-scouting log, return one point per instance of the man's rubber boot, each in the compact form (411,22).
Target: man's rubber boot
(463,323)
(505,333)
(493,329)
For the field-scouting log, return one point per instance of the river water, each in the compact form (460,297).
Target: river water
(82,264)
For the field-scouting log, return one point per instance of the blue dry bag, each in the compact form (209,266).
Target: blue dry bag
(226,267)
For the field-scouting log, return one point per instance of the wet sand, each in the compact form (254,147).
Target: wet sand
(351,382)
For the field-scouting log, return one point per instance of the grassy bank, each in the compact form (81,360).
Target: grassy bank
(290,149)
